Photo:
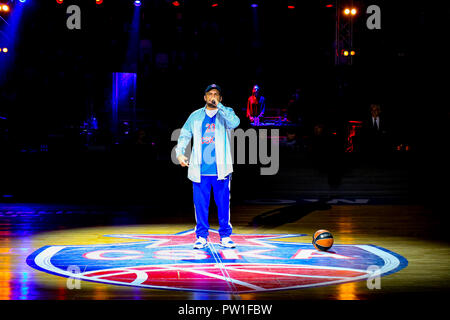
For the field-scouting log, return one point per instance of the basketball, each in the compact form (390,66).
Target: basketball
(322,240)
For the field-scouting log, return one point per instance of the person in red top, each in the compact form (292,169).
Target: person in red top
(255,106)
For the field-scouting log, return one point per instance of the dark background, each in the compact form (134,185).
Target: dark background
(59,77)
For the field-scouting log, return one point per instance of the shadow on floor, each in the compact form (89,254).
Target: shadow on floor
(288,214)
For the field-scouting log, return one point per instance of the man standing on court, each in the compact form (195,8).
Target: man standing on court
(210,163)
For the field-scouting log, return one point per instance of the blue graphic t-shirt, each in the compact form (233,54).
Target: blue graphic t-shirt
(209,166)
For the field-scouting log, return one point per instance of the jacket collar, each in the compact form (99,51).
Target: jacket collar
(204,108)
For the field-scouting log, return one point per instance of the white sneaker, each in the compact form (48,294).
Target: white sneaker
(200,243)
(227,243)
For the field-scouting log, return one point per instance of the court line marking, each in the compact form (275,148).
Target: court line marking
(222,268)
(142,279)
(289,274)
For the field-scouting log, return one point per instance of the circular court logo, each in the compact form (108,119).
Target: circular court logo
(258,263)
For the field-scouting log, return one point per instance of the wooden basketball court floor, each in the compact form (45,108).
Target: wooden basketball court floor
(411,231)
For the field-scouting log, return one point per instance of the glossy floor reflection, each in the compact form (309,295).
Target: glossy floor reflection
(29,227)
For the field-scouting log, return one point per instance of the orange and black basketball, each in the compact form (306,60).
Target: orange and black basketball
(322,240)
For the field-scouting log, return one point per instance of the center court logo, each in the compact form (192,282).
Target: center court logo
(259,263)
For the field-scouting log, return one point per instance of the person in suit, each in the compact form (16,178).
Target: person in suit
(375,132)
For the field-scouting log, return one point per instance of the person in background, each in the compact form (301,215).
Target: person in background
(255,105)
(375,132)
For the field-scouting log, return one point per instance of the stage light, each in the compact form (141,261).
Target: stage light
(345,53)
(217,3)
(254,5)
(4,8)
(23,1)
(5,50)
(137,3)
(352,53)
(98,1)
(59,1)
(176,3)
(351,11)
(291,4)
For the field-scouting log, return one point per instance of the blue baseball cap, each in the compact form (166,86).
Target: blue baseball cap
(213,86)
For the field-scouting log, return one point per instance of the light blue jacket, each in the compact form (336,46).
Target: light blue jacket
(226,121)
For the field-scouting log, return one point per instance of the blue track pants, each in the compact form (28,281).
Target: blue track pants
(202,192)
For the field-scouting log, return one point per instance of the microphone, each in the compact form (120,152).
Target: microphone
(213,102)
